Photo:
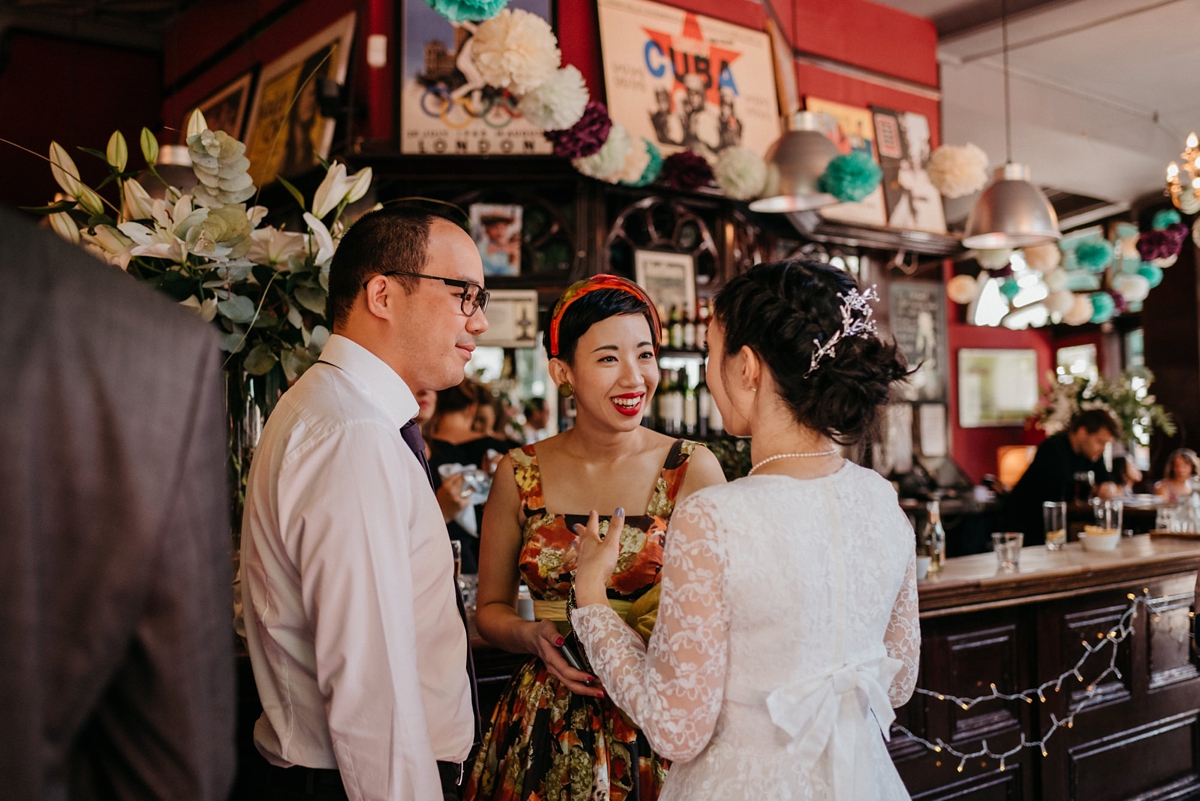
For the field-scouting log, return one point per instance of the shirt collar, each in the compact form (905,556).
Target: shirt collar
(381,381)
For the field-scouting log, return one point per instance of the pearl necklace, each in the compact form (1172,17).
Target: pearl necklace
(829,452)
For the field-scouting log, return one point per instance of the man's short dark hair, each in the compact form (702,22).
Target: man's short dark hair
(535,404)
(379,242)
(1092,420)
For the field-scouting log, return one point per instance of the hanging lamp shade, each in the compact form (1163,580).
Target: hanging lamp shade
(1011,213)
(795,164)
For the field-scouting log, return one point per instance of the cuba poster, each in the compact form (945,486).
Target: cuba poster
(684,80)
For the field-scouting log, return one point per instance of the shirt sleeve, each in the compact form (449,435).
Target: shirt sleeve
(672,688)
(351,520)
(903,637)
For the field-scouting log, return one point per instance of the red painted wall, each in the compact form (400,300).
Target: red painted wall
(76,94)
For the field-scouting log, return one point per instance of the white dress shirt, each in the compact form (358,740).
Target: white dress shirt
(358,649)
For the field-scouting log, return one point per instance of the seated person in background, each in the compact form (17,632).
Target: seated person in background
(453,440)
(1051,475)
(1126,475)
(1180,475)
(537,417)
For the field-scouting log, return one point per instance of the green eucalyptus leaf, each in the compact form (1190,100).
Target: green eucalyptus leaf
(260,360)
(293,315)
(233,343)
(53,208)
(266,319)
(320,335)
(294,192)
(296,361)
(239,308)
(311,298)
(94,152)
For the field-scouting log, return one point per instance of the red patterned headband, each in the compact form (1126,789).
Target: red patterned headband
(602,281)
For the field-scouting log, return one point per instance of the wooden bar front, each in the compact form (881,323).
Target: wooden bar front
(1139,738)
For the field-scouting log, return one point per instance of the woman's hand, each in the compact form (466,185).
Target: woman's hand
(547,644)
(450,497)
(597,558)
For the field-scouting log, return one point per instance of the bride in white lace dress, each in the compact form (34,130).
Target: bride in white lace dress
(787,628)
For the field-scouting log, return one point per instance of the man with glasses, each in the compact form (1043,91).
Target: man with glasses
(358,648)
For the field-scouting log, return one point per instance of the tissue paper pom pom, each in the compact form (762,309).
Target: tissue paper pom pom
(584,137)
(558,103)
(1055,280)
(741,173)
(1103,307)
(1081,311)
(1134,288)
(686,171)
(654,164)
(1155,245)
(464,10)
(850,177)
(1094,255)
(1009,288)
(1043,257)
(607,162)
(993,259)
(1196,232)
(961,289)
(1152,273)
(515,50)
(1176,232)
(1060,302)
(958,171)
(1165,218)
(636,162)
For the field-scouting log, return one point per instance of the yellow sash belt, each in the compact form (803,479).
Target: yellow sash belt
(557,611)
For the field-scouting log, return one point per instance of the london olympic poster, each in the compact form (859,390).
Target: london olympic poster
(684,80)
(445,106)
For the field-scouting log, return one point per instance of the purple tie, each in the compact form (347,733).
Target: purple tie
(416,443)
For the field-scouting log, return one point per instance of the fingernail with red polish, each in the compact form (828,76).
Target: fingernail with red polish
(559,641)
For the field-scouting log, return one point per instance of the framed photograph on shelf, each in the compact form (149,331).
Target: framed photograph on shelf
(225,109)
(684,80)
(287,131)
(668,278)
(512,319)
(446,109)
(996,387)
(904,149)
(496,229)
(851,130)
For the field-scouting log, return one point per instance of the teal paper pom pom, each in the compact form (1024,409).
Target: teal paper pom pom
(851,177)
(1151,272)
(467,10)
(1164,219)
(1010,288)
(653,168)
(1103,307)
(1094,255)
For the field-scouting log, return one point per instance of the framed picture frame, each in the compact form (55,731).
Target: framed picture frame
(903,139)
(512,319)
(446,109)
(225,109)
(917,319)
(668,278)
(851,130)
(684,80)
(496,229)
(287,132)
(996,387)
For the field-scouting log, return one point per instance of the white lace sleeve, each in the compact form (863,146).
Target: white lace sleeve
(672,688)
(903,637)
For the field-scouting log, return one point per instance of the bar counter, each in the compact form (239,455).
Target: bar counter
(1139,737)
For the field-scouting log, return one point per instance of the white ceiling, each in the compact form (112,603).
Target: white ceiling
(1103,91)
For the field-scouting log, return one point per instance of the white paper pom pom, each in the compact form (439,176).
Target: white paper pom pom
(1081,311)
(958,171)
(741,173)
(1043,257)
(1060,302)
(636,161)
(515,50)
(607,163)
(1133,288)
(993,259)
(1056,280)
(558,103)
(961,289)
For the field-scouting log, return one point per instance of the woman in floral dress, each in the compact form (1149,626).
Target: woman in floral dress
(555,735)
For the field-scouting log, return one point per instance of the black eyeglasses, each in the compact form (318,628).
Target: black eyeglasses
(474,297)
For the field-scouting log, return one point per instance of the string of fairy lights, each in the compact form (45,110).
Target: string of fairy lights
(1121,631)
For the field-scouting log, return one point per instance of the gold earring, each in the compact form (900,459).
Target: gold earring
(565,389)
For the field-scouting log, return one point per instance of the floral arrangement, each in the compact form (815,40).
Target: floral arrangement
(1127,399)
(958,171)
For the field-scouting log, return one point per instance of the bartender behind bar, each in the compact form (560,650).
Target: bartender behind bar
(1063,461)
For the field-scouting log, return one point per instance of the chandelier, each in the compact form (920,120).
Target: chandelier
(1186,195)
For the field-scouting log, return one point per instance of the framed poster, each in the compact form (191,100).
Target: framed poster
(683,80)
(445,106)
(851,130)
(668,278)
(496,229)
(287,131)
(785,71)
(512,319)
(225,109)
(917,318)
(904,149)
(996,387)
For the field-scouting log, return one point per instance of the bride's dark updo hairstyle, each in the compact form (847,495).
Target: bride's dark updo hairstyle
(778,310)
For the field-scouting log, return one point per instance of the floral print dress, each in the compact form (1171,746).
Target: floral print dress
(545,742)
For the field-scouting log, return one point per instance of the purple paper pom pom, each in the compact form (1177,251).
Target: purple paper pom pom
(1121,305)
(1162,244)
(1178,232)
(686,171)
(585,137)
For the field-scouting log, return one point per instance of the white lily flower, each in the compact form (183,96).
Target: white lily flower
(65,227)
(89,200)
(65,173)
(206,310)
(157,243)
(331,191)
(109,244)
(272,247)
(136,201)
(196,123)
(362,182)
(117,153)
(256,215)
(324,240)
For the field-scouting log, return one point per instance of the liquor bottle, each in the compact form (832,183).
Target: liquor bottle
(716,426)
(689,330)
(934,536)
(675,406)
(676,328)
(702,325)
(689,407)
(703,401)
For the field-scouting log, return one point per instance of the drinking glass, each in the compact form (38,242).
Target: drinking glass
(1007,546)
(1054,514)
(1085,483)
(1109,514)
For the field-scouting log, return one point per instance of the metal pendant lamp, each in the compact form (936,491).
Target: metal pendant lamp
(795,164)
(1012,212)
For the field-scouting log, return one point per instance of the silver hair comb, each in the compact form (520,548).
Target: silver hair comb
(856,322)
